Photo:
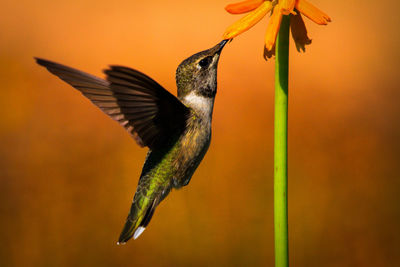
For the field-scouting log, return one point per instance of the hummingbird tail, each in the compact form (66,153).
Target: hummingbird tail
(141,212)
(134,228)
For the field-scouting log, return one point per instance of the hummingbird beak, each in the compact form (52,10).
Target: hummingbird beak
(220,46)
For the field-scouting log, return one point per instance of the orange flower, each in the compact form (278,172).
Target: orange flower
(259,8)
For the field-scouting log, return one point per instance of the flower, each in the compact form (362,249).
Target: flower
(259,8)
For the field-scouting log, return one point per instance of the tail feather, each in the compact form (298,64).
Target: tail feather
(135,227)
(148,216)
(141,212)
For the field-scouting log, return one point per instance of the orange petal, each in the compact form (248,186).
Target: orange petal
(269,53)
(299,32)
(312,12)
(247,21)
(287,6)
(273,27)
(243,7)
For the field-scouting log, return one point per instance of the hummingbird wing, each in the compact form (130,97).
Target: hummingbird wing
(144,108)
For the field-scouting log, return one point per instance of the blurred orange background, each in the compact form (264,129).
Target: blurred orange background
(68,172)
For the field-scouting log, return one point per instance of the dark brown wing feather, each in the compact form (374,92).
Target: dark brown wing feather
(143,107)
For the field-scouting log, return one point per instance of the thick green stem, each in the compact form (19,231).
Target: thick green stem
(280,145)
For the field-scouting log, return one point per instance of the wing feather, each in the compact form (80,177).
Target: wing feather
(143,107)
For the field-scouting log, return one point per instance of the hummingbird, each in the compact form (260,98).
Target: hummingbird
(177,130)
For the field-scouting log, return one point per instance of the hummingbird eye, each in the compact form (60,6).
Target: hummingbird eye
(205,61)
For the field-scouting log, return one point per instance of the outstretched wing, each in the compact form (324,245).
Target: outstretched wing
(143,107)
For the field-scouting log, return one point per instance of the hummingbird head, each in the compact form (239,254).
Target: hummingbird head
(198,73)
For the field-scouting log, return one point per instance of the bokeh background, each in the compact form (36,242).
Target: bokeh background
(68,172)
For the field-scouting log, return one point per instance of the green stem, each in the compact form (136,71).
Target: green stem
(280,144)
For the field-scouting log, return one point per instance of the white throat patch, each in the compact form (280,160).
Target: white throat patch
(201,104)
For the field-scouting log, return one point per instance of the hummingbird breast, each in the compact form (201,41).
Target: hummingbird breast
(175,165)
(195,141)
(193,145)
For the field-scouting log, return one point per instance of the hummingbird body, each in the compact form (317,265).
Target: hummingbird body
(167,168)
(177,130)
